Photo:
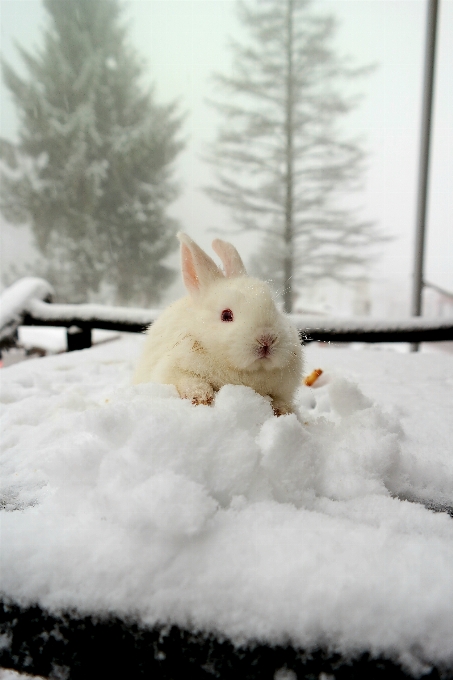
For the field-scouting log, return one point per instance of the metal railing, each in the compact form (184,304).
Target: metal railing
(28,303)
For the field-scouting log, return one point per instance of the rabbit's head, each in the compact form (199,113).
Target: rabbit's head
(234,315)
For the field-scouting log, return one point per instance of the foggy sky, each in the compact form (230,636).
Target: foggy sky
(184,41)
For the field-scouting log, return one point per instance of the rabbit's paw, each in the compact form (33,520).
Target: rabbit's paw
(280,408)
(207,401)
(197,391)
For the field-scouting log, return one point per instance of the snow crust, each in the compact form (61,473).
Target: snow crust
(127,499)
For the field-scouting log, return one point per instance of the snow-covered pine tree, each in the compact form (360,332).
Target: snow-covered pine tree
(92,170)
(282,164)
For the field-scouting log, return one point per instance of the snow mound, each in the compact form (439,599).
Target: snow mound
(130,500)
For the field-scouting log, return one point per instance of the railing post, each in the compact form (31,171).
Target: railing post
(423,177)
(78,338)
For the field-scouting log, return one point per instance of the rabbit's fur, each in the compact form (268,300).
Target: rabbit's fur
(226,331)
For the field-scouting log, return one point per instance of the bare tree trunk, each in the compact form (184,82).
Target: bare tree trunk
(289,159)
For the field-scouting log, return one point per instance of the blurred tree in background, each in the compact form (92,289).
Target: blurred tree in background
(92,170)
(282,165)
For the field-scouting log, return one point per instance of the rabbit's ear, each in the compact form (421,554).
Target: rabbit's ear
(230,257)
(198,270)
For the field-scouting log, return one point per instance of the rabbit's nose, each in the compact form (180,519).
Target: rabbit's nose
(265,343)
(266,340)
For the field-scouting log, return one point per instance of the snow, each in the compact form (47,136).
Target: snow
(92,312)
(27,295)
(367,323)
(6,674)
(301,530)
(53,339)
(15,299)
(89,312)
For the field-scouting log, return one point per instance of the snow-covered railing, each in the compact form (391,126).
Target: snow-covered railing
(365,329)
(27,303)
(81,319)
(130,319)
(15,301)
(24,304)
(311,328)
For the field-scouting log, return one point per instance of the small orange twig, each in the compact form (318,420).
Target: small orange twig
(312,378)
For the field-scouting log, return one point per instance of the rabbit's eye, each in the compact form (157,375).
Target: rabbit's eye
(227,315)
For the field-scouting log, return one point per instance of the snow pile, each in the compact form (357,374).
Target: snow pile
(228,519)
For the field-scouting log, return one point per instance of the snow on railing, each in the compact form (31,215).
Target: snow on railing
(131,319)
(366,329)
(333,329)
(15,300)
(23,304)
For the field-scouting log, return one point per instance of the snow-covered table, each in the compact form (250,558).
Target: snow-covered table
(311,533)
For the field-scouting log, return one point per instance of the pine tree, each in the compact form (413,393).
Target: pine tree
(92,171)
(282,166)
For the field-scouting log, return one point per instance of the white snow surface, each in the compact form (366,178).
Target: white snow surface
(128,500)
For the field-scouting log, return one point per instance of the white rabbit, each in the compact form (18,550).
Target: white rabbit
(226,331)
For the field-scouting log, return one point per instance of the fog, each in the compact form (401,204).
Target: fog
(183,42)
